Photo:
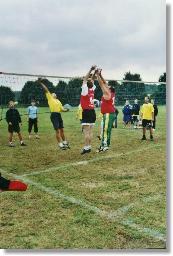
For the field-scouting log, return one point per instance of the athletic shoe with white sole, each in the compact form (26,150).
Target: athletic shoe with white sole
(22,144)
(84,151)
(102,149)
(66,145)
(11,145)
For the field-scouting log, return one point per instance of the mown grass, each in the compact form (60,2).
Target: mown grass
(135,173)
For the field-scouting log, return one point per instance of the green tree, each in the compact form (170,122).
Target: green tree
(74,91)
(160,95)
(33,90)
(162,78)
(61,91)
(132,90)
(6,94)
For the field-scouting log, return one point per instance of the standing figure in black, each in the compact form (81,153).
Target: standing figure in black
(155,113)
(135,113)
(14,121)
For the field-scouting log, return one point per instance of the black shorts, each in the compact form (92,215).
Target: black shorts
(14,128)
(135,118)
(88,116)
(56,120)
(146,123)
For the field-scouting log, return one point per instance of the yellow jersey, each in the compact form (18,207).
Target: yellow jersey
(54,104)
(147,110)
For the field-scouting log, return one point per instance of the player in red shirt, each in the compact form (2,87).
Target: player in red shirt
(11,185)
(107,110)
(88,112)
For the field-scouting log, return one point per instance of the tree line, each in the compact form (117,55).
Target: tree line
(70,92)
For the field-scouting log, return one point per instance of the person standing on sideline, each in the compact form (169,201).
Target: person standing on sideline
(147,116)
(107,110)
(135,113)
(115,124)
(155,113)
(88,111)
(56,108)
(14,122)
(127,111)
(33,119)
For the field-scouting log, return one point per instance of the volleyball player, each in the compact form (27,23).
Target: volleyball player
(88,112)
(11,185)
(108,111)
(56,108)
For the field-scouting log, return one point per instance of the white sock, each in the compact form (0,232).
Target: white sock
(87,147)
(60,144)
(21,141)
(65,142)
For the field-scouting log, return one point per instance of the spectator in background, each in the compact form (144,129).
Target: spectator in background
(14,122)
(115,124)
(127,111)
(33,119)
(155,113)
(135,113)
(147,116)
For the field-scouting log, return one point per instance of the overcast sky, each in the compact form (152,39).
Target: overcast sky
(65,37)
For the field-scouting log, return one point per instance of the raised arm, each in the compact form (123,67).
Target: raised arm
(104,87)
(43,85)
(100,74)
(89,72)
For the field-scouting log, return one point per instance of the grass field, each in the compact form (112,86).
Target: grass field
(111,200)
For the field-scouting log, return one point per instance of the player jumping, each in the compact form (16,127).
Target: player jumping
(88,112)
(56,108)
(108,111)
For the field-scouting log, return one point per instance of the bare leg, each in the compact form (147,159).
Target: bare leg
(62,134)
(151,132)
(86,131)
(90,134)
(20,136)
(10,137)
(144,131)
(58,136)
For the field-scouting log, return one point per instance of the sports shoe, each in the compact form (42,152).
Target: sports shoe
(143,138)
(37,137)
(11,145)
(62,147)
(102,149)
(66,145)
(84,151)
(22,144)
(151,138)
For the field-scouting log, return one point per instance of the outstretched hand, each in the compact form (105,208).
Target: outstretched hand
(40,79)
(93,67)
(99,71)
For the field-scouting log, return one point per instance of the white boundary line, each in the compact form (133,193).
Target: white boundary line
(85,162)
(112,215)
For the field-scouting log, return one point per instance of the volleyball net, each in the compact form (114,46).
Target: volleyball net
(24,87)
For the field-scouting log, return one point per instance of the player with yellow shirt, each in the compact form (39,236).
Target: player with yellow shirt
(56,108)
(147,116)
